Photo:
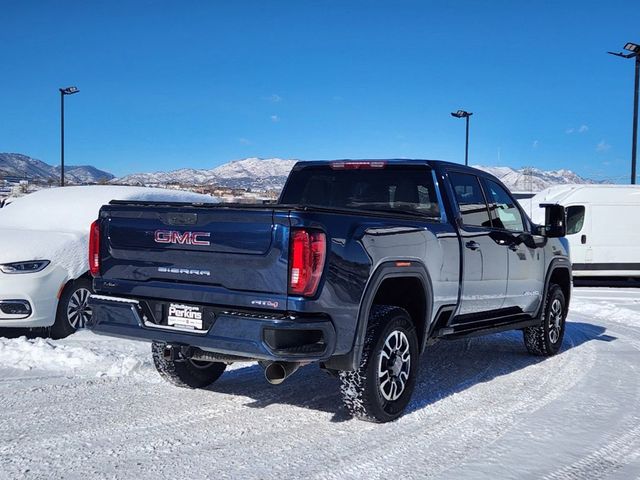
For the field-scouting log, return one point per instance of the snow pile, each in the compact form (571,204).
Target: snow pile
(53,224)
(68,250)
(82,353)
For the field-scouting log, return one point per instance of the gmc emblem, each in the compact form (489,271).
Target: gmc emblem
(181,238)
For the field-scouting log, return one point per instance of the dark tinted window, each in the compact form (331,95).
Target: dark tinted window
(471,202)
(575,219)
(504,212)
(407,189)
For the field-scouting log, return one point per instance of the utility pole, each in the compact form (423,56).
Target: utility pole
(465,115)
(63,92)
(635,53)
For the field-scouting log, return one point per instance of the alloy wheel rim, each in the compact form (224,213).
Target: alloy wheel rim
(394,366)
(78,309)
(555,320)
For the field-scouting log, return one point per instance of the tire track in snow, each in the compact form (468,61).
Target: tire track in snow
(203,410)
(616,406)
(415,444)
(606,460)
(291,423)
(619,452)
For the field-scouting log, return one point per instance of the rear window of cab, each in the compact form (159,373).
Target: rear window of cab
(405,189)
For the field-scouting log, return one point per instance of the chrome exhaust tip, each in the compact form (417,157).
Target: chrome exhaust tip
(278,372)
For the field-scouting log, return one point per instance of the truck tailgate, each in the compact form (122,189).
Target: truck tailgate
(227,249)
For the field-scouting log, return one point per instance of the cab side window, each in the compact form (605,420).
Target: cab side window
(470,199)
(504,211)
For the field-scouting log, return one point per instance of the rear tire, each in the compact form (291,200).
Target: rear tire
(380,389)
(73,311)
(545,339)
(185,373)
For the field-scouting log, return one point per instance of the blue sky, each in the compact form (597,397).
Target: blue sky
(168,84)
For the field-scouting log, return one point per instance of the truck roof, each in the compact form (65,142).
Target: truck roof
(393,161)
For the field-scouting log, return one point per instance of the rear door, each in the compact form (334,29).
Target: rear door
(484,275)
(526,262)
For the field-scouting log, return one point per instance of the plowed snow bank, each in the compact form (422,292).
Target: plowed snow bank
(84,353)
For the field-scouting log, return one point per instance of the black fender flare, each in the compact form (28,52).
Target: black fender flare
(560,263)
(388,269)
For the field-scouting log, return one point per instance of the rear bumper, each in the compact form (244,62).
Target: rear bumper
(252,336)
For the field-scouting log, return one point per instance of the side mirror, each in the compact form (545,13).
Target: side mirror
(555,223)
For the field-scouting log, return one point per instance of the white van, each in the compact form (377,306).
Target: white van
(603,227)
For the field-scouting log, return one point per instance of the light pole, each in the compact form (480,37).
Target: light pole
(63,92)
(635,53)
(465,115)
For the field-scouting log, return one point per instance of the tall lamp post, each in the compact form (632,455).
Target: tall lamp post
(465,115)
(63,92)
(635,53)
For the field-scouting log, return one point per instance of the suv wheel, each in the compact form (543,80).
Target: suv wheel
(546,338)
(381,388)
(185,373)
(73,310)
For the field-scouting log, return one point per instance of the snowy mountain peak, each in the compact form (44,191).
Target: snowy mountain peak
(22,166)
(254,173)
(533,179)
(255,167)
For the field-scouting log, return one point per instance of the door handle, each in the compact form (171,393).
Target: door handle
(472,245)
(583,239)
(513,247)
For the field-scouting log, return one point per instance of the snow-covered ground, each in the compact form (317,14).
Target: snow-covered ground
(93,407)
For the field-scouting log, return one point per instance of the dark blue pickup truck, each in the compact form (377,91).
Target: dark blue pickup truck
(359,267)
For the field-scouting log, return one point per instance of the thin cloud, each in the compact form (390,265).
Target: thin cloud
(603,146)
(274,98)
(274,118)
(535,144)
(244,141)
(581,129)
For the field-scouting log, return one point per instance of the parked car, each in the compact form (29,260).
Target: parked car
(359,267)
(44,274)
(603,227)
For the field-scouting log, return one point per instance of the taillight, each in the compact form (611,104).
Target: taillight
(94,248)
(307,252)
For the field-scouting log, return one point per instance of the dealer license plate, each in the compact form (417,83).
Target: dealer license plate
(185,316)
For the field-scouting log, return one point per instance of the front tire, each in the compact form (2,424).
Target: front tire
(185,373)
(545,339)
(380,389)
(73,310)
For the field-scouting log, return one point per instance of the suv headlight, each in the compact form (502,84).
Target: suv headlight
(31,266)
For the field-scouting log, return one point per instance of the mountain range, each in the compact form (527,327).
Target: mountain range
(18,166)
(271,173)
(249,173)
(253,173)
(533,179)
